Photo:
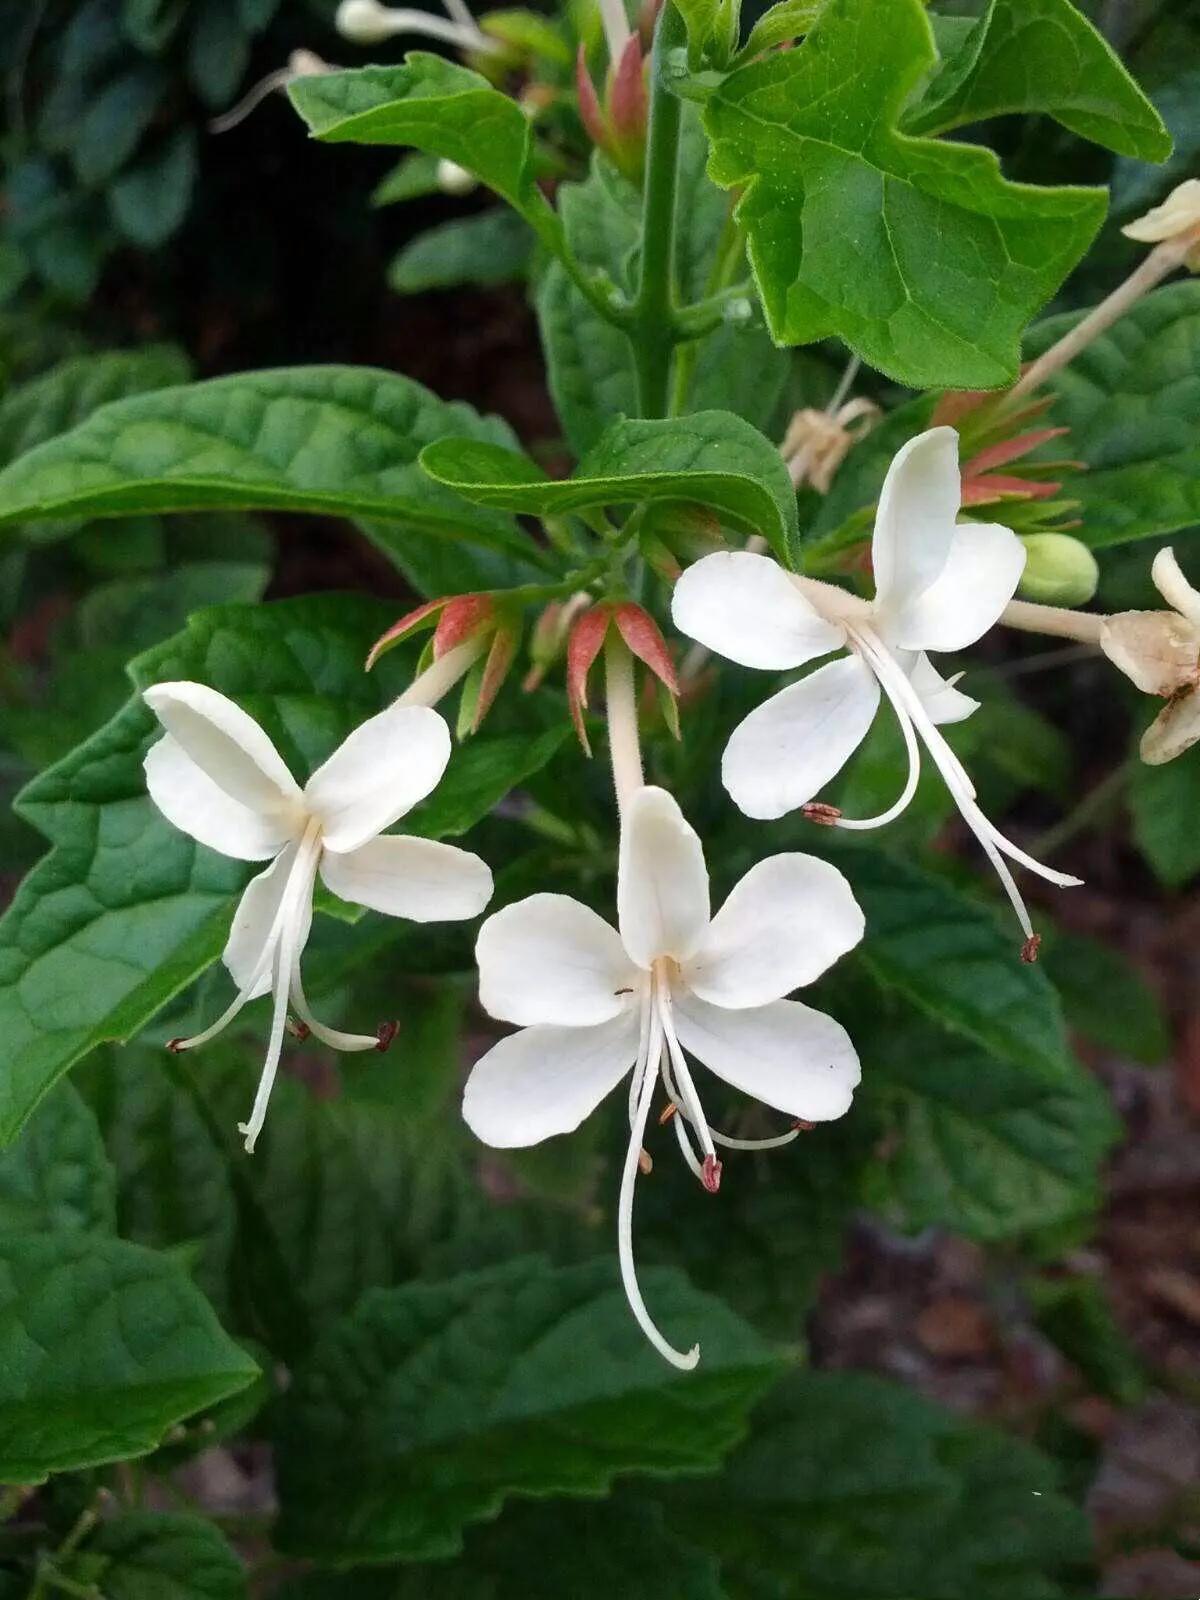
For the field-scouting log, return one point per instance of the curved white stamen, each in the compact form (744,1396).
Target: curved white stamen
(646,1077)
(776,1143)
(904,798)
(251,100)
(643,1050)
(334,1037)
(287,951)
(680,1123)
(1173,586)
(682,1090)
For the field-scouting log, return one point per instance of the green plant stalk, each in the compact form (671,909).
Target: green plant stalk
(651,331)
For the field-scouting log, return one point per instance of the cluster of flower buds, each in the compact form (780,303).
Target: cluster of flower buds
(618,124)
(641,635)
(466,626)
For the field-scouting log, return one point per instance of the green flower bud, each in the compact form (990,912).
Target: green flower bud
(1059,570)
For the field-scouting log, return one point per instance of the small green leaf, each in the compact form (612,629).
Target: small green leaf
(544,1385)
(711,456)
(850,1486)
(150,200)
(412,177)
(919,254)
(154,1555)
(115,119)
(330,439)
(782,23)
(493,247)
(1132,402)
(60,399)
(1042,55)
(434,105)
(57,1176)
(103,1347)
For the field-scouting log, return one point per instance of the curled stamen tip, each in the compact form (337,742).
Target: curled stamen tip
(1029,950)
(645,1162)
(177,1046)
(800,1126)
(251,1137)
(298,1030)
(384,1035)
(710,1174)
(692,1360)
(817,811)
(667,1112)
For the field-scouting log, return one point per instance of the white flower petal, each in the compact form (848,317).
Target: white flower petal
(193,803)
(379,772)
(254,920)
(789,918)
(1178,213)
(980,576)
(942,701)
(1175,729)
(915,520)
(1158,650)
(552,959)
(785,1054)
(662,882)
(745,607)
(790,747)
(420,879)
(543,1081)
(226,743)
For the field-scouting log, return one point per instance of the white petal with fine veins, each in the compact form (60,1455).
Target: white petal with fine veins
(914,525)
(789,747)
(747,608)
(662,882)
(420,879)
(546,1080)
(980,576)
(226,743)
(785,1054)
(552,959)
(789,918)
(378,773)
(193,803)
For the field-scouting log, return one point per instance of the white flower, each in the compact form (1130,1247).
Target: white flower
(592,1004)
(217,776)
(1160,652)
(371,22)
(939,585)
(1178,213)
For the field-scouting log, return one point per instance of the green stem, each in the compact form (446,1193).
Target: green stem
(705,316)
(599,291)
(652,330)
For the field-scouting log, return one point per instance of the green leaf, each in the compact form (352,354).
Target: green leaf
(1132,402)
(1163,803)
(988,1147)
(150,201)
(1075,1315)
(57,1176)
(317,439)
(150,23)
(125,910)
(329,439)
(153,1555)
(61,398)
(711,456)
(103,1347)
(780,25)
(436,106)
(1042,55)
(711,29)
(948,956)
(1131,1021)
(585,1549)
(115,119)
(544,1385)
(850,1486)
(919,254)
(411,178)
(481,774)
(492,247)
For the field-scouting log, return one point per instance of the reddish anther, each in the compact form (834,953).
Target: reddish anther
(175,1046)
(385,1033)
(1029,950)
(803,1127)
(817,811)
(667,1112)
(710,1174)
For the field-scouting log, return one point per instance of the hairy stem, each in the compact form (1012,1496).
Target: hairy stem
(1057,621)
(621,710)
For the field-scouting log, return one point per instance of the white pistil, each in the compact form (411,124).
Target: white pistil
(645,1076)
(904,798)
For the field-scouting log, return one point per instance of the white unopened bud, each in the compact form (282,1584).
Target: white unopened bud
(364,21)
(1059,570)
(453,179)
(1179,213)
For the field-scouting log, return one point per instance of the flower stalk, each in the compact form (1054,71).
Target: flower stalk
(624,748)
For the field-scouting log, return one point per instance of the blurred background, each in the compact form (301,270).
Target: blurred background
(126,224)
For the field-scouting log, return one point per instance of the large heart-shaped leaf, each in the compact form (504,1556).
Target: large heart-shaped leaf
(57,1176)
(919,254)
(712,457)
(1042,55)
(328,439)
(103,1347)
(47,405)
(544,1385)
